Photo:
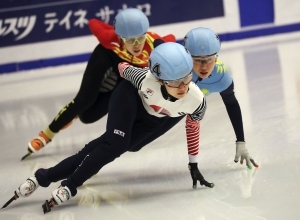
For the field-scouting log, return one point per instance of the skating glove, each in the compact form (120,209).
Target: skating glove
(242,153)
(197,176)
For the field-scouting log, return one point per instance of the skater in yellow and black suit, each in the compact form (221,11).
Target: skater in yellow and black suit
(128,40)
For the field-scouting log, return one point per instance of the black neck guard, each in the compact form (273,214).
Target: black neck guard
(166,95)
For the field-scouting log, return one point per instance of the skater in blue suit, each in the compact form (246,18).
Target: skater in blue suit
(211,76)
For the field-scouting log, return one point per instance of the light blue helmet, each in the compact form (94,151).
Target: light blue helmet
(170,61)
(202,42)
(131,22)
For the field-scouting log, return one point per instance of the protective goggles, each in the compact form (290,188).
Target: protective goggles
(176,83)
(140,39)
(207,60)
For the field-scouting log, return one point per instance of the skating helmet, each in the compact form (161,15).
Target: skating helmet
(170,61)
(131,22)
(202,42)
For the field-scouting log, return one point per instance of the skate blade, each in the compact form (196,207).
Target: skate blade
(46,207)
(25,156)
(29,152)
(10,201)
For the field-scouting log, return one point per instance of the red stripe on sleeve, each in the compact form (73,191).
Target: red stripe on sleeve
(192,135)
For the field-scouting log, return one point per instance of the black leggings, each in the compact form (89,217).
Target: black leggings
(129,128)
(99,80)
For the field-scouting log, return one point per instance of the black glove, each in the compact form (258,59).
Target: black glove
(196,175)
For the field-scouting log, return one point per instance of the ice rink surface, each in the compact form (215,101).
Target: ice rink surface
(155,182)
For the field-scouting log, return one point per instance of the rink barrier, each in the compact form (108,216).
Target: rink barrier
(42,63)
(56,61)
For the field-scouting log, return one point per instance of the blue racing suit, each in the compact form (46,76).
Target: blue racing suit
(220,81)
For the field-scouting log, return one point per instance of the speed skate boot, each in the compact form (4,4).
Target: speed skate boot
(24,190)
(28,187)
(36,144)
(59,196)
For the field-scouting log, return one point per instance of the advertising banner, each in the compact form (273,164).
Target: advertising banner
(38,21)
